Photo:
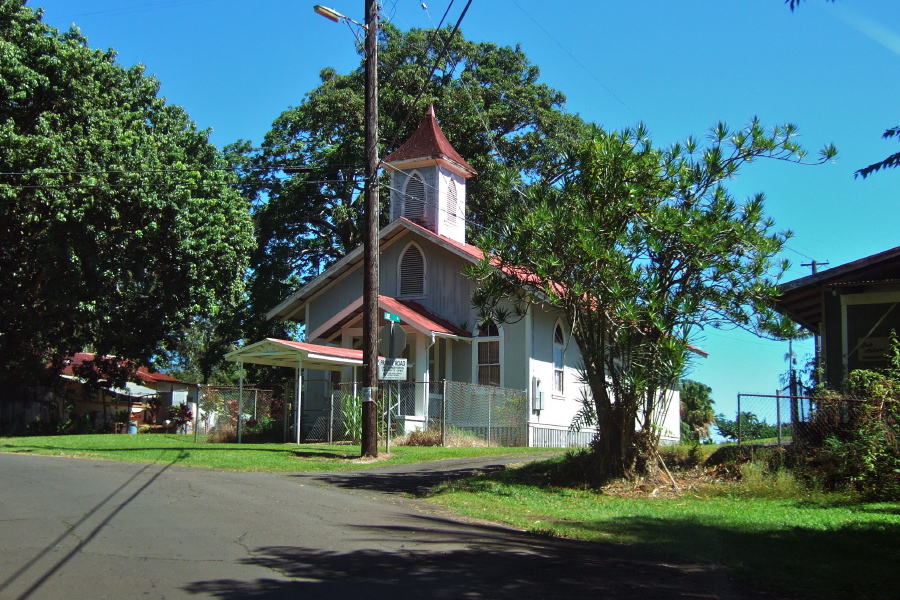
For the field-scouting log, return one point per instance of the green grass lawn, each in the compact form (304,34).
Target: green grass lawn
(182,450)
(811,545)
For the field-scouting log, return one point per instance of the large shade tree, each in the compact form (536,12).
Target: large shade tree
(119,222)
(488,100)
(639,248)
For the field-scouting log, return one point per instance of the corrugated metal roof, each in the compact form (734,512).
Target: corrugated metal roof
(428,142)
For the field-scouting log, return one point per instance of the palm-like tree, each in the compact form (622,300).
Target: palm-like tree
(696,410)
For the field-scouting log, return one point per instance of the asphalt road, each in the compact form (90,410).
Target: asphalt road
(74,529)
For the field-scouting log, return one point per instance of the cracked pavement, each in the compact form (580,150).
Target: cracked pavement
(86,529)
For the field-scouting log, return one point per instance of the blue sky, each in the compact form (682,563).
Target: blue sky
(679,67)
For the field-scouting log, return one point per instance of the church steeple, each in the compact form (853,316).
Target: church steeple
(428,181)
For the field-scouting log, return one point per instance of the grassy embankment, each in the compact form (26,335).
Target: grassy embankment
(767,529)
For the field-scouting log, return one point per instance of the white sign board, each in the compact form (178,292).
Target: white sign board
(392,369)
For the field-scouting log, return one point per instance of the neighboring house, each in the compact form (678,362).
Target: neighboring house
(134,397)
(423,252)
(852,308)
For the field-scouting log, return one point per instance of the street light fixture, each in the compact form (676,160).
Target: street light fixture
(371,210)
(330,13)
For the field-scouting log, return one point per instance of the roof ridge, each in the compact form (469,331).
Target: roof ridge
(429,142)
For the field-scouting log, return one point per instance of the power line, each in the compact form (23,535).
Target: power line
(572,56)
(431,73)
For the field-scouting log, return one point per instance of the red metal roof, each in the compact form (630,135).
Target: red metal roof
(142,373)
(320,349)
(420,317)
(473,251)
(429,142)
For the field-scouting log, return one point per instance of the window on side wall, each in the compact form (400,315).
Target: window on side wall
(412,272)
(558,364)
(488,355)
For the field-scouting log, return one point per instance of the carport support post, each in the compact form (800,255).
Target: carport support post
(240,405)
(297,401)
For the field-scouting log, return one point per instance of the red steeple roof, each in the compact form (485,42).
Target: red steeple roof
(429,142)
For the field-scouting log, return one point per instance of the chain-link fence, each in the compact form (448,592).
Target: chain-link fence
(452,412)
(782,420)
(449,410)
(261,413)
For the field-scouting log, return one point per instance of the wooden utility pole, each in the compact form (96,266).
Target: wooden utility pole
(814,265)
(369,446)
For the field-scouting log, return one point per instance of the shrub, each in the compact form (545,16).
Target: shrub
(432,437)
(223,433)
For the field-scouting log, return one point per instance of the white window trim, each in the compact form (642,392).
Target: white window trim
(400,272)
(856,300)
(559,393)
(488,338)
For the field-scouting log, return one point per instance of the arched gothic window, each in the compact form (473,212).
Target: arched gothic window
(412,272)
(414,198)
(559,344)
(452,202)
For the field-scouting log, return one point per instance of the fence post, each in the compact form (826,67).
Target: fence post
(331,418)
(778,414)
(739,420)
(240,400)
(387,419)
(444,415)
(490,403)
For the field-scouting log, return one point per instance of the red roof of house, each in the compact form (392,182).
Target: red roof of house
(429,142)
(142,373)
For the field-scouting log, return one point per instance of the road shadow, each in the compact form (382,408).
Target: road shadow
(418,484)
(446,560)
(421,478)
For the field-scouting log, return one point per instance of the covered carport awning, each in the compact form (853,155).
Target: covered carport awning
(284,353)
(295,355)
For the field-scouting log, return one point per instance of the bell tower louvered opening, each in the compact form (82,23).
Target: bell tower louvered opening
(414,199)
(452,203)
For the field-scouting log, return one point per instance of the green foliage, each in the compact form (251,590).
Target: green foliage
(795,3)
(262,431)
(638,248)
(696,410)
(751,428)
(488,100)
(180,416)
(893,160)
(118,221)
(855,441)
(352,418)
